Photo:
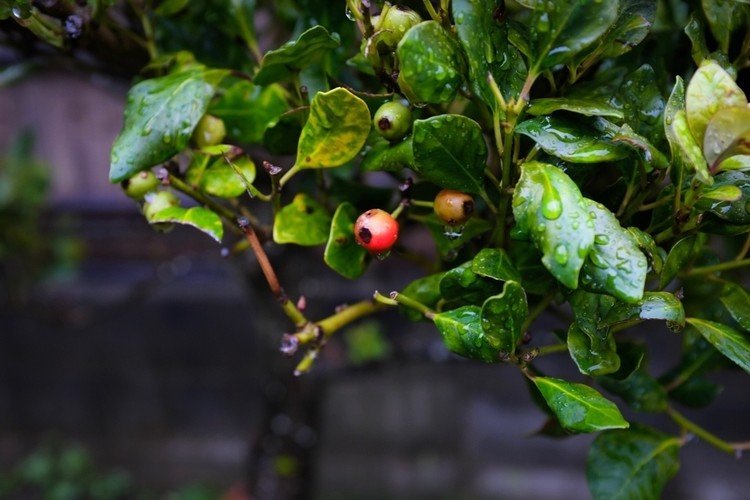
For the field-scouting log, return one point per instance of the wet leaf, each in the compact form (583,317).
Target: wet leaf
(383,155)
(727,134)
(681,255)
(221,179)
(431,64)
(342,253)
(494,263)
(689,150)
(578,407)
(503,316)
(654,305)
(549,208)
(595,353)
(651,156)
(303,222)
(581,105)
(248,110)
(282,63)
(425,291)
(639,390)
(631,464)
(640,98)
(198,217)
(462,286)
(448,240)
(633,23)
(336,130)
(160,116)
(736,300)
(735,210)
(731,343)
(450,151)
(723,17)
(462,334)
(571,141)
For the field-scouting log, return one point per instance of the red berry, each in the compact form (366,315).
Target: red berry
(376,230)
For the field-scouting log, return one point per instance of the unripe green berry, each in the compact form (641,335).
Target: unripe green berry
(156,202)
(141,183)
(393,120)
(452,207)
(210,131)
(395,21)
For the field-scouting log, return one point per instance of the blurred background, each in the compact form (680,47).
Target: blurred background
(142,365)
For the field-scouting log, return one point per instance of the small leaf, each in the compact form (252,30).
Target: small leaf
(652,156)
(728,341)
(739,162)
(594,353)
(548,206)
(425,291)
(462,286)
(681,255)
(655,305)
(736,300)
(494,263)
(727,134)
(450,151)
(581,105)
(462,334)
(159,119)
(248,110)
(688,149)
(222,180)
(633,23)
(578,407)
(335,132)
(571,141)
(631,464)
(431,65)
(735,210)
(303,222)
(382,155)
(640,391)
(342,253)
(503,316)
(282,63)
(198,217)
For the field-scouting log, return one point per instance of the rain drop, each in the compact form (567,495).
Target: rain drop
(561,254)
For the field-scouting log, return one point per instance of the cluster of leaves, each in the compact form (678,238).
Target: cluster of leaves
(604,183)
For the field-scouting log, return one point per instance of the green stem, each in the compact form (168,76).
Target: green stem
(423,203)
(413,304)
(625,325)
(431,10)
(724,266)
(700,432)
(744,250)
(288,175)
(348,315)
(552,349)
(650,206)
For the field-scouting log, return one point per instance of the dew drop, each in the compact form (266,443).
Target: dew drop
(601,239)
(561,254)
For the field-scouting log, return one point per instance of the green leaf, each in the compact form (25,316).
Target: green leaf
(736,300)
(594,353)
(383,155)
(248,110)
(450,151)
(447,240)
(723,17)
(694,29)
(615,264)
(589,106)
(652,156)
(696,392)
(655,254)
(641,99)
(282,63)
(425,291)
(503,316)
(494,263)
(198,217)
(731,210)
(462,286)
(727,134)
(632,383)
(689,150)
(578,407)
(548,206)
(462,334)
(710,89)
(632,464)
(739,162)
(681,255)
(728,341)
(633,23)
(335,132)
(160,116)
(303,222)
(222,180)
(562,29)
(342,253)
(655,305)
(572,141)
(431,65)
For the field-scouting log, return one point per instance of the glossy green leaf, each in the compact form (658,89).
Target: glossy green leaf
(248,110)
(654,305)
(342,253)
(562,29)
(734,211)
(688,149)
(594,353)
(736,300)
(336,130)
(710,89)
(303,222)
(581,105)
(221,179)
(431,64)
(450,151)
(695,30)
(640,391)
(727,134)
(496,264)
(675,104)
(282,63)
(548,207)
(503,316)
(641,100)
(425,291)
(681,255)
(198,217)
(654,253)
(578,407)
(281,137)
(447,240)
(728,341)
(383,155)
(534,276)
(632,464)
(615,264)
(159,119)
(572,141)
(633,23)
(462,286)
(462,334)
(652,157)
(723,16)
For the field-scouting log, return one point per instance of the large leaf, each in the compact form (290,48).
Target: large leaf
(572,141)
(562,29)
(595,353)
(615,264)
(462,286)
(496,264)
(160,116)
(548,206)
(198,217)
(728,341)
(248,110)
(710,89)
(578,407)
(632,464)
(282,63)
(342,253)
(336,130)
(462,334)
(589,106)
(303,222)
(736,300)
(450,151)
(503,316)
(727,134)
(431,64)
